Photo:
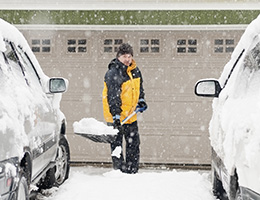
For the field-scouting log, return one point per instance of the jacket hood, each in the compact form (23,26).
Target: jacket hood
(115,63)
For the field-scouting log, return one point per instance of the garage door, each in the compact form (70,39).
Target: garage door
(174,129)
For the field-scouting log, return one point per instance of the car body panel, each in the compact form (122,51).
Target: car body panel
(234,126)
(30,118)
(8,177)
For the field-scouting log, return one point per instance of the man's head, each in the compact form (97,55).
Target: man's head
(125,54)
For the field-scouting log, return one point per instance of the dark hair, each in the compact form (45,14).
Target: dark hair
(124,48)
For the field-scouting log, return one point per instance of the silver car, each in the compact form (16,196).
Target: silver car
(34,152)
(234,126)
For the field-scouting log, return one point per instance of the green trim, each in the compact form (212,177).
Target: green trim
(130,17)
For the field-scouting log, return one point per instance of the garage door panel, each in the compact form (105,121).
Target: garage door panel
(154,77)
(76,111)
(97,109)
(173,149)
(156,150)
(187,114)
(157,112)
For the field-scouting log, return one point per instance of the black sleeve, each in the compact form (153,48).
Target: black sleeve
(141,96)
(114,82)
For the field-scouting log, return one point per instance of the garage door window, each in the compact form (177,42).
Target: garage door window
(41,45)
(149,46)
(77,46)
(111,45)
(224,45)
(186,46)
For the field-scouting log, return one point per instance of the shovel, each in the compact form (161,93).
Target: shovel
(98,131)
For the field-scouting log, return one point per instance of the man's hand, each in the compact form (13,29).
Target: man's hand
(142,105)
(117,125)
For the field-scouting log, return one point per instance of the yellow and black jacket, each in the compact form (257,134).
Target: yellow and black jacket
(123,87)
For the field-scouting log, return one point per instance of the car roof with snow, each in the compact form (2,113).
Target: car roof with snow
(9,32)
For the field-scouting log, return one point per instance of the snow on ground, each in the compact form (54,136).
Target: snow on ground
(108,184)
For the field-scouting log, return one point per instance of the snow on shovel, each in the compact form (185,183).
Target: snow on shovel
(97,131)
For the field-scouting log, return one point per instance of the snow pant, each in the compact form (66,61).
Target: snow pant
(132,153)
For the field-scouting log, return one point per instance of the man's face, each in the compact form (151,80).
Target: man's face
(126,59)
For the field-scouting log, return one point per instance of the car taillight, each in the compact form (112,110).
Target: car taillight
(9,182)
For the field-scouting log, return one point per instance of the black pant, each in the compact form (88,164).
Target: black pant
(131,163)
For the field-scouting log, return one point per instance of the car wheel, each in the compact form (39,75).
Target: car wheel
(60,172)
(22,190)
(62,162)
(218,189)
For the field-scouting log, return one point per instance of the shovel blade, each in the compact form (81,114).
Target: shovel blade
(99,138)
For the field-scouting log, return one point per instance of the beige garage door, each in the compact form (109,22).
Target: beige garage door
(174,129)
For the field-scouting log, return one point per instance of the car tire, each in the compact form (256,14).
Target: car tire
(218,189)
(60,172)
(21,192)
(48,180)
(62,166)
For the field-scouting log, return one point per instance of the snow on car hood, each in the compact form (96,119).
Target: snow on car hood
(235,127)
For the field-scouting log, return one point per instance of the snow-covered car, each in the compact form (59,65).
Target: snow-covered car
(235,123)
(34,152)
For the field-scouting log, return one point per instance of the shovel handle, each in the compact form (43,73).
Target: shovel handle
(130,116)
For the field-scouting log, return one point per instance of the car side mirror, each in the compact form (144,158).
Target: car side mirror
(208,88)
(57,85)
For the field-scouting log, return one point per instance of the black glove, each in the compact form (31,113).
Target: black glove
(142,105)
(117,125)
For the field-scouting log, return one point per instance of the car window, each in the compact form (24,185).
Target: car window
(28,67)
(12,60)
(10,56)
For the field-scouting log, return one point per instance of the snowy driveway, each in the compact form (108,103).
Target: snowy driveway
(107,184)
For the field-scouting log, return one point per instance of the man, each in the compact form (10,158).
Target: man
(123,92)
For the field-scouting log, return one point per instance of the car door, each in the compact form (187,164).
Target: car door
(41,127)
